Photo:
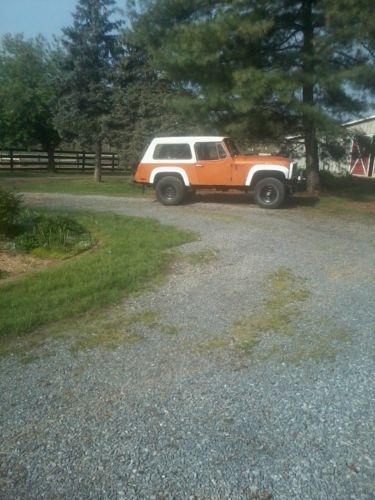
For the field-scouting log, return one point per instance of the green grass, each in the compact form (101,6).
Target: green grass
(350,187)
(111,185)
(346,197)
(131,253)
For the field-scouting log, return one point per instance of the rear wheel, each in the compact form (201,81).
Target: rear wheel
(270,192)
(170,190)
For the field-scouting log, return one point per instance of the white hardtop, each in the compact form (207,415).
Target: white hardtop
(188,139)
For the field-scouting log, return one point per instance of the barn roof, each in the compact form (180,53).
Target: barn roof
(357,122)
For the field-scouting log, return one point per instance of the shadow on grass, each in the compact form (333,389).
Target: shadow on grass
(360,189)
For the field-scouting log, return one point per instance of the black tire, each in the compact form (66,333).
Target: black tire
(170,190)
(270,192)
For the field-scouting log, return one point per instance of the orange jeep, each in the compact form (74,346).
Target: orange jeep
(179,165)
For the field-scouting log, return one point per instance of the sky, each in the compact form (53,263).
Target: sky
(32,17)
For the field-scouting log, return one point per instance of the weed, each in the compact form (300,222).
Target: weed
(276,322)
(201,257)
(110,333)
(215,343)
(108,339)
(4,274)
(325,345)
(170,330)
(10,206)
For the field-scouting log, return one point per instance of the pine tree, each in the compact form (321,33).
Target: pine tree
(263,68)
(91,49)
(144,102)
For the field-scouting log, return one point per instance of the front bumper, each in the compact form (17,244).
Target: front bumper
(299,183)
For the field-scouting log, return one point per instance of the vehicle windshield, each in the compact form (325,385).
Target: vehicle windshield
(232,147)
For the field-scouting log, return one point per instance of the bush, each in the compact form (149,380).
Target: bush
(10,207)
(56,233)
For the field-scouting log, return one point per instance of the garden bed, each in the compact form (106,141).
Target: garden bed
(12,265)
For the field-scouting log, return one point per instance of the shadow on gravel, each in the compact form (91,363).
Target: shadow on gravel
(228,198)
(298,201)
(239,198)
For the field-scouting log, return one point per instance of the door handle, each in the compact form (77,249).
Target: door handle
(199,165)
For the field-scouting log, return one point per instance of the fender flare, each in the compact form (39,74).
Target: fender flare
(170,170)
(264,168)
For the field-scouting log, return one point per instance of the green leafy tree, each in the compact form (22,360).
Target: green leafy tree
(264,69)
(91,50)
(27,94)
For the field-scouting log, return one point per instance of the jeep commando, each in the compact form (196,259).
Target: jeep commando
(176,166)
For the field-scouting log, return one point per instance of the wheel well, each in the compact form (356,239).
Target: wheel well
(266,173)
(168,174)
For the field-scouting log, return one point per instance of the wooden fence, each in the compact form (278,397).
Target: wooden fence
(17,159)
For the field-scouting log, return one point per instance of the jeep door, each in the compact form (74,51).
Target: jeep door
(213,165)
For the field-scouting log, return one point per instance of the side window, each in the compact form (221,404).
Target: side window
(172,152)
(209,151)
(221,151)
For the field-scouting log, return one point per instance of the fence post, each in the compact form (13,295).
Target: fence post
(113,161)
(11,159)
(83,161)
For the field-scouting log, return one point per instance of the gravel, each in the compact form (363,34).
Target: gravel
(177,416)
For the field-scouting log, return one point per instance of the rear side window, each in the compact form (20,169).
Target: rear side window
(172,152)
(209,151)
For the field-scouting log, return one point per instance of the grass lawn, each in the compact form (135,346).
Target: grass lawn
(111,185)
(348,197)
(130,253)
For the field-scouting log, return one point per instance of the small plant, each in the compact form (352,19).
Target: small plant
(3,274)
(10,207)
(42,234)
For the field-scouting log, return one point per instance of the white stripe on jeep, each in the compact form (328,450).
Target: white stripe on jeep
(169,170)
(265,167)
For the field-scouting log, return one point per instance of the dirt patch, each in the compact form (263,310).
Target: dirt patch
(14,264)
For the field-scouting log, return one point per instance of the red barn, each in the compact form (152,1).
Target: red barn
(363,147)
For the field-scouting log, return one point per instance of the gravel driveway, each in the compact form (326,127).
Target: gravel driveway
(190,411)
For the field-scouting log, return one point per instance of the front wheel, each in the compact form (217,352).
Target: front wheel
(270,192)
(170,190)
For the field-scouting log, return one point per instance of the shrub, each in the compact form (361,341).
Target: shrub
(52,233)
(10,207)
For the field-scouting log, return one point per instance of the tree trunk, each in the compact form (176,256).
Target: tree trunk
(311,155)
(311,144)
(98,162)
(51,159)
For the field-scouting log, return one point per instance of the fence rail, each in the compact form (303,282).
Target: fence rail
(17,159)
